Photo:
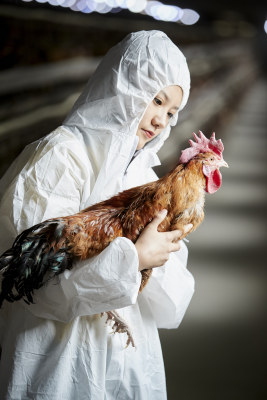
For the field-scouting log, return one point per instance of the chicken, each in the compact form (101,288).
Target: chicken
(47,249)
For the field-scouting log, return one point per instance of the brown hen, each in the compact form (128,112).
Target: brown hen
(47,249)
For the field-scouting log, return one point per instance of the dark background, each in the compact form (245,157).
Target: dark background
(47,55)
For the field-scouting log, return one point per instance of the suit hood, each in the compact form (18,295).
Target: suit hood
(107,113)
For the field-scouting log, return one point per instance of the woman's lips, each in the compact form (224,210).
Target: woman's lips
(149,134)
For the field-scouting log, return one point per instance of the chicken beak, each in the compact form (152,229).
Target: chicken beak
(223,163)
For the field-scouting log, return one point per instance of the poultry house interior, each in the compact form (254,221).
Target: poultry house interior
(218,351)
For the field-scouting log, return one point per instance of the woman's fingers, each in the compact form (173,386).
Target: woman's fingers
(158,218)
(154,247)
(177,234)
(174,236)
(175,246)
(188,228)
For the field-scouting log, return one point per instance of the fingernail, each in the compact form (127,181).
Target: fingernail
(163,212)
(188,227)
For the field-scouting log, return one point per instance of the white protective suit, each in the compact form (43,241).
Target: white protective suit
(59,347)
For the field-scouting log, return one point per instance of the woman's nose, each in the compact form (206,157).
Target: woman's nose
(159,121)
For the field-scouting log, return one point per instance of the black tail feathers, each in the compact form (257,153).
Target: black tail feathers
(31,262)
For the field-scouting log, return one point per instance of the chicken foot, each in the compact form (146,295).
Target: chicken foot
(119,325)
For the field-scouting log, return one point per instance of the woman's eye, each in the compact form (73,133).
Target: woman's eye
(157,101)
(170,115)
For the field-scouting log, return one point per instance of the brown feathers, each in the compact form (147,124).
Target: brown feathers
(181,192)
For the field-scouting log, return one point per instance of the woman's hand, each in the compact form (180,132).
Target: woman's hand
(154,247)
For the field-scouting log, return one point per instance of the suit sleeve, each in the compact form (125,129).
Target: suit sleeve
(50,187)
(106,282)
(170,289)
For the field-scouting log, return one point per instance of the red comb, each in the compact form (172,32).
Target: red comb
(202,145)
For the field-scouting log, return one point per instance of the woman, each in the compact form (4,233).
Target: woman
(59,347)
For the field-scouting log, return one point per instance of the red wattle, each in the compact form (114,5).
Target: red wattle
(213,181)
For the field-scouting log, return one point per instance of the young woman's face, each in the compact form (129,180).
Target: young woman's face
(158,114)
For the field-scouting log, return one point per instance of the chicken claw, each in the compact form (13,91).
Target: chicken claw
(119,325)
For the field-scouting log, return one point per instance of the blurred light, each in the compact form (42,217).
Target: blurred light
(113,3)
(91,5)
(55,2)
(179,14)
(87,10)
(123,4)
(265,26)
(104,10)
(86,6)
(153,8)
(68,3)
(119,2)
(136,6)
(189,17)
(74,7)
(150,5)
(102,7)
(165,12)
(81,5)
